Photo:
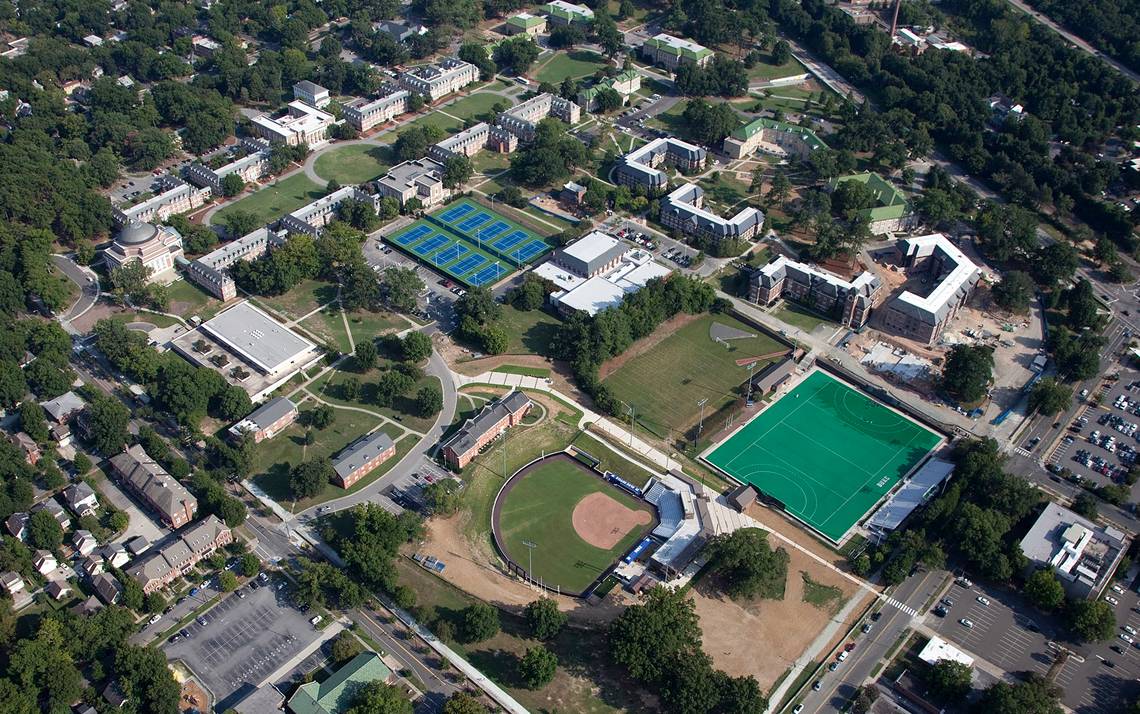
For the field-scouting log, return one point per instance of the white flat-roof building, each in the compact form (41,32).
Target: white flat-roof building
(434,81)
(925,317)
(523,119)
(300,124)
(682,210)
(311,93)
(938,650)
(639,167)
(1081,553)
(363,114)
(591,255)
(596,272)
(421,179)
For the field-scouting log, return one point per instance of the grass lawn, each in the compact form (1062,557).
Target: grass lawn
(141,316)
(664,383)
(562,223)
(764,69)
(473,105)
(576,64)
(307,296)
(328,326)
(800,316)
(328,387)
(825,597)
(188,299)
(353,164)
(69,289)
(367,325)
(585,682)
(671,120)
(278,455)
(725,189)
(529,332)
(490,162)
(539,508)
(436,118)
(524,371)
(275,200)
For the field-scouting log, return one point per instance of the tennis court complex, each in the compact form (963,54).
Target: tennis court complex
(826,451)
(471,243)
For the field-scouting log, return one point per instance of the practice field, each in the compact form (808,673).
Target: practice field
(665,380)
(826,451)
(473,244)
(579,524)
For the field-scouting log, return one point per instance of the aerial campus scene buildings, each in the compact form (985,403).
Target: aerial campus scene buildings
(449,358)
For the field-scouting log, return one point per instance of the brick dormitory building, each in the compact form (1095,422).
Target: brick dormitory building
(361,457)
(180,556)
(485,427)
(136,470)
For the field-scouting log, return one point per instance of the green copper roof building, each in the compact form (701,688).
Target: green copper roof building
(755,126)
(892,202)
(336,694)
(564,13)
(674,51)
(525,23)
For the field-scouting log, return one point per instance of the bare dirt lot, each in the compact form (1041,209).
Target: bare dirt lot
(602,522)
(763,638)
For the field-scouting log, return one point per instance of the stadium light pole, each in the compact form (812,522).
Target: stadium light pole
(629,410)
(701,422)
(530,546)
(751,366)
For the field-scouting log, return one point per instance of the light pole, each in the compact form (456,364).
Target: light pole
(530,546)
(629,410)
(751,366)
(701,423)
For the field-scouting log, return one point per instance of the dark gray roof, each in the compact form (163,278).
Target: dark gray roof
(63,406)
(469,434)
(267,413)
(163,491)
(361,452)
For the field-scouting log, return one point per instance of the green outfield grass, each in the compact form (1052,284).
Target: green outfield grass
(826,451)
(578,63)
(275,200)
(665,383)
(538,509)
(353,164)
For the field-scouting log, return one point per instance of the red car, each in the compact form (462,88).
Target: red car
(850,646)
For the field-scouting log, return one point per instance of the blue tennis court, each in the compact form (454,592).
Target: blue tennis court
(449,254)
(530,250)
(473,222)
(457,212)
(429,245)
(510,240)
(469,263)
(492,230)
(413,235)
(487,275)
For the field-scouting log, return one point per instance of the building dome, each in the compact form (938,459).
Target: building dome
(136,232)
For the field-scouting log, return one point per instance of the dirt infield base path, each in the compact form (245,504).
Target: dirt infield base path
(603,522)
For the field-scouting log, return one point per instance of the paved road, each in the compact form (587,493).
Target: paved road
(838,687)
(88,283)
(1073,39)
(396,640)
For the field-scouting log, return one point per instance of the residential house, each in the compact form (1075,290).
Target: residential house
(58,590)
(12,583)
(80,499)
(83,542)
(107,587)
(62,408)
(27,445)
(17,525)
(44,562)
(58,512)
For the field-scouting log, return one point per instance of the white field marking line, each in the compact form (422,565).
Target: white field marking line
(761,436)
(796,469)
(786,478)
(896,420)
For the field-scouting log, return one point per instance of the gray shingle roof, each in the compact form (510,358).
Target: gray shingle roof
(473,429)
(361,452)
(160,488)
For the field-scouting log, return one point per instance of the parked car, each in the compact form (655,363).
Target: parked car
(983,599)
(967,623)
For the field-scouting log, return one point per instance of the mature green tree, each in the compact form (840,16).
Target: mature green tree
(227,581)
(321,416)
(1085,504)
(710,123)
(33,422)
(537,667)
(45,669)
(518,53)
(146,680)
(949,681)
(480,622)
(1082,306)
(390,385)
(308,478)
(1050,397)
(232,185)
(380,698)
(44,531)
(550,158)
(249,564)
(747,566)
(49,375)
(108,419)
(967,373)
(412,143)
(865,699)
(1054,263)
(429,400)
(648,637)
(416,346)
(463,703)
(1015,291)
(457,170)
(1091,620)
(543,619)
(240,222)
(231,404)
(401,286)
(1044,590)
(366,355)
(1035,695)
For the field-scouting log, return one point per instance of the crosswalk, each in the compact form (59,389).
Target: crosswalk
(1022,452)
(902,606)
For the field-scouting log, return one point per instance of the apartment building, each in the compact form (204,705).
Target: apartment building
(171,196)
(772,137)
(560,12)
(312,94)
(312,218)
(179,557)
(266,421)
(672,52)
(495,418)
(250,166)
(439,80)
(299,124)
(142,475)
(420,179)
(682,210)
(473,140)
(523,119)
(951,274)
(848,302)
(209,270)
(362,456)
(363,114)
(640,166)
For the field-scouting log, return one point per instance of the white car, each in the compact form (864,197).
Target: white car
(1130,630)
(983,599)
(968,624)
(1111,600)
(156,618)
(1117,589)
(315,620)
(1126,638)
(842,656)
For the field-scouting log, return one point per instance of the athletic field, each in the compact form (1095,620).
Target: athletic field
(470,243)
(826,451)
(579,524)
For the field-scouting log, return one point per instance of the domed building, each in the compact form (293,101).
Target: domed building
(157,247)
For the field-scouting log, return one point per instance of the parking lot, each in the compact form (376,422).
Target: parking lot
(1098,678)
(407,491)
(244,641)
(1103,441)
